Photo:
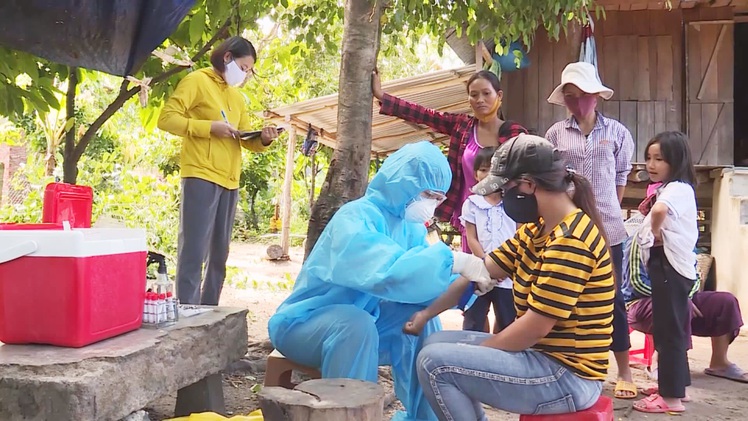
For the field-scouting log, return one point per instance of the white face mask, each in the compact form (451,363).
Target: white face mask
(421,210)
(234,75)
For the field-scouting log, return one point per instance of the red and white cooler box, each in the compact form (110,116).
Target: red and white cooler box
(70,287)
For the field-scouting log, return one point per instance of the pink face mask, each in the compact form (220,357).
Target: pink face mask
(652,188)
(581,106)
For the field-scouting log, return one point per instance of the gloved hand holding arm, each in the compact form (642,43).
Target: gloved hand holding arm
(474,269)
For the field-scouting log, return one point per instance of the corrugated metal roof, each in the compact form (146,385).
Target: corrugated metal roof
(443,90)
(463,48)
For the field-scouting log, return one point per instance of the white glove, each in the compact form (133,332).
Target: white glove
(473,268)
(484,287)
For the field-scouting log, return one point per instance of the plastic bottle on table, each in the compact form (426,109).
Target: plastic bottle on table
(162,311)
(148,318)
(170,307)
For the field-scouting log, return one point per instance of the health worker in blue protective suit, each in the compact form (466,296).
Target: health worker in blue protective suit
(369,272)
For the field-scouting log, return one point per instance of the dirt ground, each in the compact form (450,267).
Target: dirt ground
(266,285)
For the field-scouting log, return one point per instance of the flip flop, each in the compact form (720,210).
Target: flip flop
(649,391)
(622,386)
(654,404)
(731,372)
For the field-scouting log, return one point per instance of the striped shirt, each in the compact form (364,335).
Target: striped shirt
(566,275)
(604,158)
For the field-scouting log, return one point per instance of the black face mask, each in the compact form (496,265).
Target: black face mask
(521,207)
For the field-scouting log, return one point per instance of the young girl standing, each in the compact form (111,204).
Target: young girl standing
(670,233)
(487,226)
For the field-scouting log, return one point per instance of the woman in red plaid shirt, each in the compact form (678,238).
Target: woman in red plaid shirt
(468,135)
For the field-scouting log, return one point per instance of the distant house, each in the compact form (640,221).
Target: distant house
(670,69)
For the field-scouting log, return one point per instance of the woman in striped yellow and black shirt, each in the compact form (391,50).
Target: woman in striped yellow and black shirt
(554,357)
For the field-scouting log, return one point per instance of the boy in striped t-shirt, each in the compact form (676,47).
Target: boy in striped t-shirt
(554,357)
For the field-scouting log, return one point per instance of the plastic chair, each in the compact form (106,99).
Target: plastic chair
(602,410)
(279,369)
(643,356)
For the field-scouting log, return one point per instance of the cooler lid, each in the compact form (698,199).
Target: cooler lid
(83,242)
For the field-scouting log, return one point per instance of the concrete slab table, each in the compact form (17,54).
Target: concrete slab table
(111,379)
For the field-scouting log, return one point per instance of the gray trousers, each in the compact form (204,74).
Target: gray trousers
(206,219)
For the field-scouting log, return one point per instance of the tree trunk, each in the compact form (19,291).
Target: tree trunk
(347,175)
(324,400)
(253,220)
(50,162)
(70,164)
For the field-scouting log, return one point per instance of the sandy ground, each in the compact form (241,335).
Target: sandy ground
(260,286)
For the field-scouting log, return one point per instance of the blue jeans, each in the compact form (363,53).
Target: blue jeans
(457,376)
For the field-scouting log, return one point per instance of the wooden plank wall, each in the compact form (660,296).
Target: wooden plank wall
(639,57)
(709,88)
(526,91)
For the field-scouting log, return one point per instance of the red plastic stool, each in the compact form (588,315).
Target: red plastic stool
(646,353)
(602,410)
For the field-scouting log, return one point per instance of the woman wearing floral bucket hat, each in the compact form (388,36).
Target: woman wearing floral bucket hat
(599,148)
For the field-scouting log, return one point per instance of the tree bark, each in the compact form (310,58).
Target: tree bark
(254,221)
(347,175)
(50,163)
(70,165)
(324,400)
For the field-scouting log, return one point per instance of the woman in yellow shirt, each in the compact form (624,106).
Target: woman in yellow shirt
(209,113)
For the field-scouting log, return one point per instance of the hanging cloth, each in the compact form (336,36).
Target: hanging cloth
(112,36)
(588,50)
(309,147)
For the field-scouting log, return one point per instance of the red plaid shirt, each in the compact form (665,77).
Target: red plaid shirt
(458,127)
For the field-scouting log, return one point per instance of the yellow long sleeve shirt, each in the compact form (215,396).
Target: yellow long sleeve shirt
(195,104)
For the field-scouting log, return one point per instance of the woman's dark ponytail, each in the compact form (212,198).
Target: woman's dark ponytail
(558,180)
(584,198)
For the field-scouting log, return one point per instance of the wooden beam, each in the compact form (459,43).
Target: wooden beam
(710,69)
(479,56)
(712,22)
(711,133)
(287,184)
(487,56)
(300,124)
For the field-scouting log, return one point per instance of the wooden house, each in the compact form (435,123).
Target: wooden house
(670,70)
(681,68)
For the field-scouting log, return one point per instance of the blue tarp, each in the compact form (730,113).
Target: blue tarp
(113,36)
